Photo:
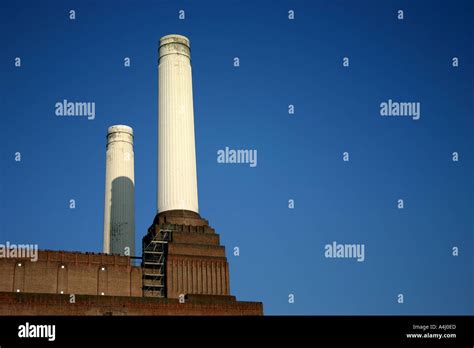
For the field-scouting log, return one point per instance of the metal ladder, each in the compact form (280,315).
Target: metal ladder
(155,249)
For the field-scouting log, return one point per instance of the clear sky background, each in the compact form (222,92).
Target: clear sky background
(282,62)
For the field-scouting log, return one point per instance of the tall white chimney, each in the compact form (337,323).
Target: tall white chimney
(119,212)
(177,181)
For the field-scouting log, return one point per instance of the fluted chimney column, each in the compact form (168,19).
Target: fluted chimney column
(119,211)
(177,180)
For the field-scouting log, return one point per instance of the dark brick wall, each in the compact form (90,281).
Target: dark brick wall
(53,304)
(72,273)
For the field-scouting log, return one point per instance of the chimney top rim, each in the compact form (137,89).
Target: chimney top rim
(174,38)
(120,128)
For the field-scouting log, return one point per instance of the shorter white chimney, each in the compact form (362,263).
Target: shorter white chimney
(119,212)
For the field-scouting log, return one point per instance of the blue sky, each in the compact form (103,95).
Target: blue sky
(282,62)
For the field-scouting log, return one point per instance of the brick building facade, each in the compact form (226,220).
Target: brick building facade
(194,278)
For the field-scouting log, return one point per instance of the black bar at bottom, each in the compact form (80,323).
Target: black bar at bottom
(412,330)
